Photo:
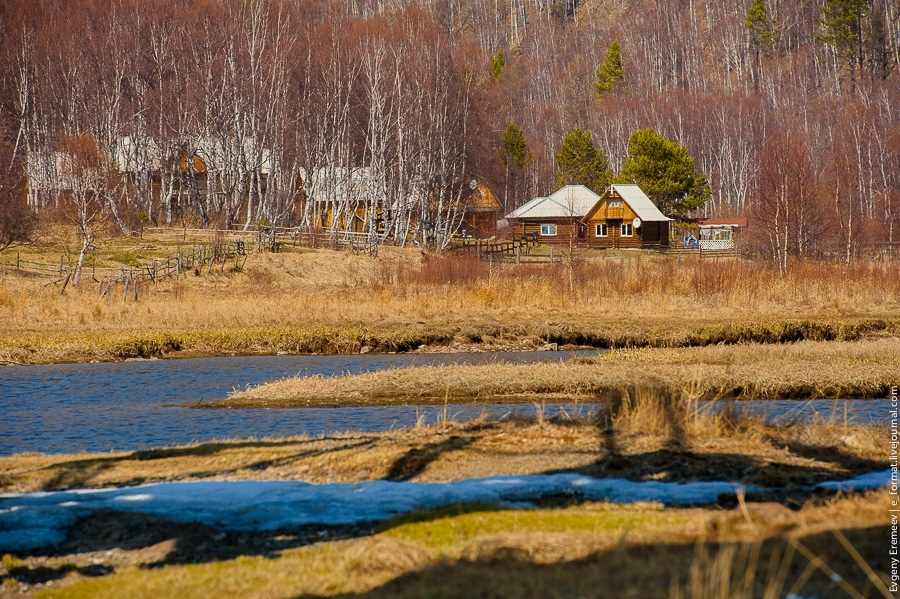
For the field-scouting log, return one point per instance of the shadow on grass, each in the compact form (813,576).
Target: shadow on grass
(416,460)
(662,570)
(81,473)
(524,566)
(634,410)
(683,465)
(42,574)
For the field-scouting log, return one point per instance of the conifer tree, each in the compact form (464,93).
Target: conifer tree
(514,154)
(665,172)
(610,76)
(580,163)
(513,149)
(497,64)
(843,27)
(762,34)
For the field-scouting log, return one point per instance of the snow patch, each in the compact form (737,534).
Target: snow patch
(37,519)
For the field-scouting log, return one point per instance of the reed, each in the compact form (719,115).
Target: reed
(402,300)
(802,370)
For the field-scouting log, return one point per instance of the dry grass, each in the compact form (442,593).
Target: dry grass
(645,433)
(808,369)
(585,550)
(324,301)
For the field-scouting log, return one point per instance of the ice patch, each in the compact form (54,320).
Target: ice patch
(141,497)
(37,519)
(872,480)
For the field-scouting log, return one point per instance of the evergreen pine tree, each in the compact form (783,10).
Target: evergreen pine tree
(513,149)
(843,27)
(514,155)
(610,76)
(762,34)
(580,163)
(665,172)
(497,64)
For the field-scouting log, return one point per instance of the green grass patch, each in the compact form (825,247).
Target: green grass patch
(125,257)
(357,566)
(447,530)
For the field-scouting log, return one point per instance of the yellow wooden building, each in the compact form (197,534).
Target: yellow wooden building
(624,217)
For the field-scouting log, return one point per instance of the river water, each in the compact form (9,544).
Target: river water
(66,408)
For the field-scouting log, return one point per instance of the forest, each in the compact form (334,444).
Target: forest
(246,113)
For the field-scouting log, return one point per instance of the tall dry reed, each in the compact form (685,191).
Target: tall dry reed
(409,300)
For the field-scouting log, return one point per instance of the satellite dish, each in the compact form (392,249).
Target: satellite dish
(636,222)
(473,184)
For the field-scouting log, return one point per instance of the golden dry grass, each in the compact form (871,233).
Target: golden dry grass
(807,369)
(324,301)
(587,550)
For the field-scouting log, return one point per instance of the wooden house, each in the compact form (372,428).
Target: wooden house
(481,211)
(341,198)
(557,218)
(624,217)
(357,200)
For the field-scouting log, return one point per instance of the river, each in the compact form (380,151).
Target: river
(67,408)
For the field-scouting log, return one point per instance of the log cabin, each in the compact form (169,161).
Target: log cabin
(623,217)
(557,218)
(481,211)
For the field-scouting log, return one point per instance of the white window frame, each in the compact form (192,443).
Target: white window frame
(615,203)
(548,230)
(598,232)
(627,230)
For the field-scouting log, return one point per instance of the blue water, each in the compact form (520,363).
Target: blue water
(64,408)
(137,405)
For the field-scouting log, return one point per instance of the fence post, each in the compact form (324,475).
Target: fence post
(60,264)
(17,260)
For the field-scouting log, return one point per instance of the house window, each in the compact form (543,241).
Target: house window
(615,203)
(601,230)
(548,230)
(627,230)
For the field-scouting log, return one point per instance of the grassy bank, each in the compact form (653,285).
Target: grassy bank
(329,302)
(803,370)
(578,551)
(567,548)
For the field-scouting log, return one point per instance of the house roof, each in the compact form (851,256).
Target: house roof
(482,199)
(639,202)
(733,221)
(571,200)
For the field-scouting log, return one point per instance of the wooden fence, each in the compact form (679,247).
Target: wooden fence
(497,249)
(273,239)
(203,257)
